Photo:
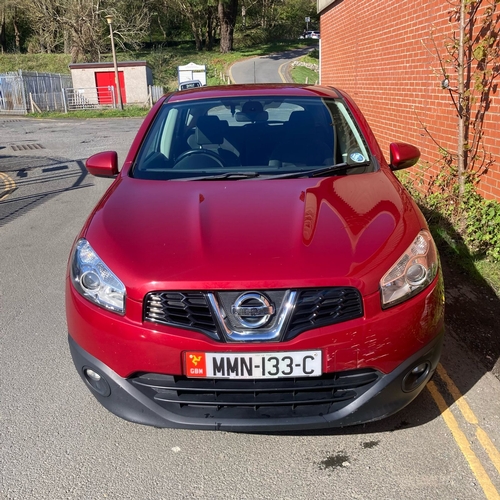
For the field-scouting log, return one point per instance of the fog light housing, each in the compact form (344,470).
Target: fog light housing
(416,376)
(96,381)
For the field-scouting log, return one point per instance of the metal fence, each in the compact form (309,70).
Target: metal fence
(155,92)
(17,87)
(24,92)
(12,94)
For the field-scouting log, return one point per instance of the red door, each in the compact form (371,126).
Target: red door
(106,79)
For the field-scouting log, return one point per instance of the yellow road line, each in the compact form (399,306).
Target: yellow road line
(468,414)
(231,74)
(457,396)
(488,445)
(280,72)
(9,185)
(461,439)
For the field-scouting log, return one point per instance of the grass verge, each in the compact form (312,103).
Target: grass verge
(301,74)
(128,112)
(304,74)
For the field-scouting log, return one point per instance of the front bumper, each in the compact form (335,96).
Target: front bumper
(379,396)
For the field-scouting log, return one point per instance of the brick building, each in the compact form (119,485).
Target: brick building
(382,54)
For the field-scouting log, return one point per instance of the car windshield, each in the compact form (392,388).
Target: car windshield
(252,138)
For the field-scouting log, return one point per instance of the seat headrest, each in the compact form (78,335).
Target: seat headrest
(252,111)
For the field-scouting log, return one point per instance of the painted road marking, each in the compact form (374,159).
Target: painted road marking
(468,414)
(461,439)
(9,185)
(280,72)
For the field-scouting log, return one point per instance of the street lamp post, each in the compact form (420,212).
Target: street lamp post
(117,80)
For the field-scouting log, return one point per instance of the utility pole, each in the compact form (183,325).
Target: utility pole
(117,80)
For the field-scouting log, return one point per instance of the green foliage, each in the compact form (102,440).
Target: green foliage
(483,226)
(475,220)
(312,57)
(251,38)
(292,14)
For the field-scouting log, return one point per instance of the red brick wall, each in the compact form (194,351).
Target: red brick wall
(382,55)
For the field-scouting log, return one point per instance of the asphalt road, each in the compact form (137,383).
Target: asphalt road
(57,442)
(271,68)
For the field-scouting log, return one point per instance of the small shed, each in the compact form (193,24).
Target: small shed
(135,77)
(192,71)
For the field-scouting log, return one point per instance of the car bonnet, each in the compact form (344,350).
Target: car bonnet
(345,230)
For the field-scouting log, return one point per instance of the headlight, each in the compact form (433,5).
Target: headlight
(94,280)
(413,272)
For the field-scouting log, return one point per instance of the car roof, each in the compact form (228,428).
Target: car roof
(256,90)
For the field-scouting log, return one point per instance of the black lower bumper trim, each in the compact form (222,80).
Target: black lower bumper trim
(129,399)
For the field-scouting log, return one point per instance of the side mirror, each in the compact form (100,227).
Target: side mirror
(103,164)
(403,155)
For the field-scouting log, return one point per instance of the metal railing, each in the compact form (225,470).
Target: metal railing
(89,98)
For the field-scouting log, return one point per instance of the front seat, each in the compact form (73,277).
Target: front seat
(209,135)
(301,146)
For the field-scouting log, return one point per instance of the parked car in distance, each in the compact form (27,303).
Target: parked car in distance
(190,84)
(310,34)
(255,266)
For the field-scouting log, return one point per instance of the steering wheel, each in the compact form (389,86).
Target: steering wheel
(206,152)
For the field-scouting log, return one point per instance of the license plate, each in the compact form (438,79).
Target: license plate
(253,365)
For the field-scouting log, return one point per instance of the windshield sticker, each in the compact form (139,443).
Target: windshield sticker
(357,157)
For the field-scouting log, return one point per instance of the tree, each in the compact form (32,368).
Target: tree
(202,18)
(13,26)
(3,29)
(79,26)
(468,69)
(228,10)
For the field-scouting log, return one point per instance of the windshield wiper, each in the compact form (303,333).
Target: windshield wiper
(217,177)
(317,172)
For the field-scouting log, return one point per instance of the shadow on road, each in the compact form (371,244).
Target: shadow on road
(54,176)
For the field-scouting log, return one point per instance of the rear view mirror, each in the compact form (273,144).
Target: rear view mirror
(403,155)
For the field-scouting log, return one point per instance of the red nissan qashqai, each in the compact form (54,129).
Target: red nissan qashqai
(255,266)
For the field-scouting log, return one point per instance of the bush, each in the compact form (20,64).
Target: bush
(483,226)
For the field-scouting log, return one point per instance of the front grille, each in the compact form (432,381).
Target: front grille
(186,309)
(324,306)
(256,399)
(315,307)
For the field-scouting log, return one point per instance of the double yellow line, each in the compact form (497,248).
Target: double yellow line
(9,185)
(474,463)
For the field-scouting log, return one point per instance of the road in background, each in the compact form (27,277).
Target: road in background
(266,69)
(57,442)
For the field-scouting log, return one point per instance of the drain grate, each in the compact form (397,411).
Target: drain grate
(27,147)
